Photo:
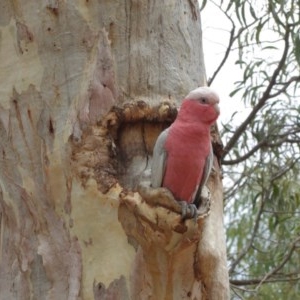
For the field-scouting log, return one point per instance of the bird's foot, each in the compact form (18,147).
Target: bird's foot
(188,210)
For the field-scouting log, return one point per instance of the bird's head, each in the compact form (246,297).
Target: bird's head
(203,103)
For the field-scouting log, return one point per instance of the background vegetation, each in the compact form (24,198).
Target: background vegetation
(262,150)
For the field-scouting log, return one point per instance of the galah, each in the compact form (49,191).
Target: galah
(182,156)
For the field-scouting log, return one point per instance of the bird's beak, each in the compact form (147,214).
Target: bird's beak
(217,108)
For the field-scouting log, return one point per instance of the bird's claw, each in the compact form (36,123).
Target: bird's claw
(188,210)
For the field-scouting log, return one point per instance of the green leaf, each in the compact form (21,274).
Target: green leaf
(243,14)
(234,92)
(203,5)
(259,29)
(297,47)
(229,6)
(270,48)
(252,12)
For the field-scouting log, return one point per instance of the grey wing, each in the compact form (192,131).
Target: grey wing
(206,173)
(159,160)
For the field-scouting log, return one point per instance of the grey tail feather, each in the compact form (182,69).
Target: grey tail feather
(197,200)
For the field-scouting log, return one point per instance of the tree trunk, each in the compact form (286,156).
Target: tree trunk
(86,87)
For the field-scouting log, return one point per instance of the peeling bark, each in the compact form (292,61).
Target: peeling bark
(187,256)
(34,238)
(86,87)
(116,290)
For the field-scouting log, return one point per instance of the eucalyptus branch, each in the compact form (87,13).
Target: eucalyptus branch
(243,282)
(261,144)
(284,171)
(247,248)
(278,212)
(246,156)
(232,39)
(262,101)
(283,262)
(238,184)
(285,86)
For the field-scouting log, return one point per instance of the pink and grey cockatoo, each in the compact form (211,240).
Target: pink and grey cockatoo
(183,156)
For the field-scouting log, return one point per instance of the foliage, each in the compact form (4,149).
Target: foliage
(262,154)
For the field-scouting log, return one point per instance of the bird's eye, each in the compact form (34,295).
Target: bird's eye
(203,100)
